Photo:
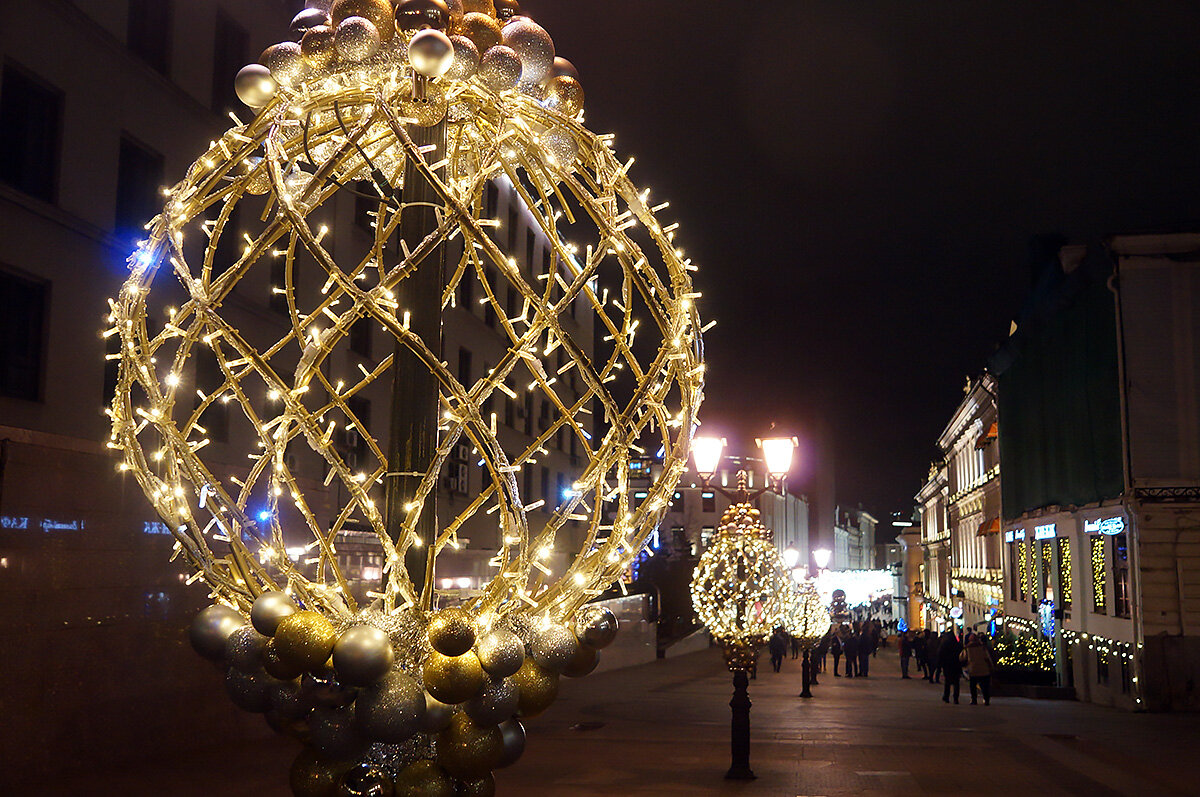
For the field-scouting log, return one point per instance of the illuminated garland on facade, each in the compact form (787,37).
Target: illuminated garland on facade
(1099,574)
(1108,647)
(1064,570)
(1023,565)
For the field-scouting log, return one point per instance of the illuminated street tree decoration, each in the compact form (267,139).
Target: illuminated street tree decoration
(417,123)
(806,619)
(740,591)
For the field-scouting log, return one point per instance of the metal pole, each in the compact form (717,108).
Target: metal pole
(739,740)
(415,391)
(812,667)
(804,675)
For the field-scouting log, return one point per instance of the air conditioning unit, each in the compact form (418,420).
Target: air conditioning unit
(457,479)
(462,451)
(351,439)
(351,459)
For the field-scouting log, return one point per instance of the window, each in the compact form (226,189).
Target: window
(464,367)
(510,302)
(1014,581)
(527,487)
(489,311)
(361,408)
(139,178)
(489,403)
(546,487)
(546,261)
(1099,575)
(360,337)
(1064,572)
(229,56)
(512,227)
(1102,667)
(1121,604)
(149,33)
(529,412)
(1023,568)
(22,320)
(560,487)
(491,201)
(529,251)
(677,502)
(708,502)
(1126,676)
(706,535)
(466,290)
(209,379)
(30,117)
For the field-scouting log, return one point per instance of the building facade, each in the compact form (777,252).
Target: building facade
(102,104)
(1102,471)
(934,583)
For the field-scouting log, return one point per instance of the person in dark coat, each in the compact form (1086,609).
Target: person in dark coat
(817,657)
(866,648)
(850,646)
(835,647)
(795,647)
(905,645)
(949,649)
(935,665)
(778,647)
(920,653)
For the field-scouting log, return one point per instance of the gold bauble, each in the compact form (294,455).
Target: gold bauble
(565,95)
(479,7)
(378,12)
(453,679)
(423,779)
(481,29)
(315,775)
(316,47)
(538,688)
(467,750)
(451,632)
(305,640)
(482,787)
(582,663)
(277,667)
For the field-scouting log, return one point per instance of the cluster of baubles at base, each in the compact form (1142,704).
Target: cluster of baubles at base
(381,715)
(740,587)
(445,41)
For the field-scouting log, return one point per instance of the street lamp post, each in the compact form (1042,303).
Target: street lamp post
(752,620)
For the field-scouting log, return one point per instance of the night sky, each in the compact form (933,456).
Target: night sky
(859,182)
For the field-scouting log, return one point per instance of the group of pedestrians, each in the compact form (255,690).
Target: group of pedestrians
(944,659)
(857,643)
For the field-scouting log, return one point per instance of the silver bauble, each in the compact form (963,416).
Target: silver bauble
(466,59)
(495,704)
(391,710)
(244,649)
(285,62)
(533,46)
(248,691)
(437,715)
(323,689)
(211,629)
(560,147)
(362,655)
(269,609)
(287,700)
(366,780)
(562,67)
(309,18)
(500,68)
(356,39)
(334,731)
(254,85)
(596,626)
(553,647)
(431,53)
(501,653)
(513,733)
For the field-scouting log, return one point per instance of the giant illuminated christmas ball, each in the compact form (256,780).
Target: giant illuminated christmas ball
(340,112)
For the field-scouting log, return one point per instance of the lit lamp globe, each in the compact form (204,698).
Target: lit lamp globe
(778,452)
(821,557)
(706,452)
(790,557)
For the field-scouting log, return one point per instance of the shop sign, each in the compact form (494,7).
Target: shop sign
(1111,526)
(1047,532)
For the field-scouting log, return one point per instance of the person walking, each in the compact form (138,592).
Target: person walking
(904,643)
(949,650)
(795,646)
(935,662)
(835,647)
(919,653)
(850,646)
(866,649)
(778,647)
(980,666)
(817,657)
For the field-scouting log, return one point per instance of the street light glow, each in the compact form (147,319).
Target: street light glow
(778,453)
(706,451)
(821,557)
(790,557)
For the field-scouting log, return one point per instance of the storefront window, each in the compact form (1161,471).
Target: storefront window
(1121,576)
(1099,571)
(1023,566)
(1064,572)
